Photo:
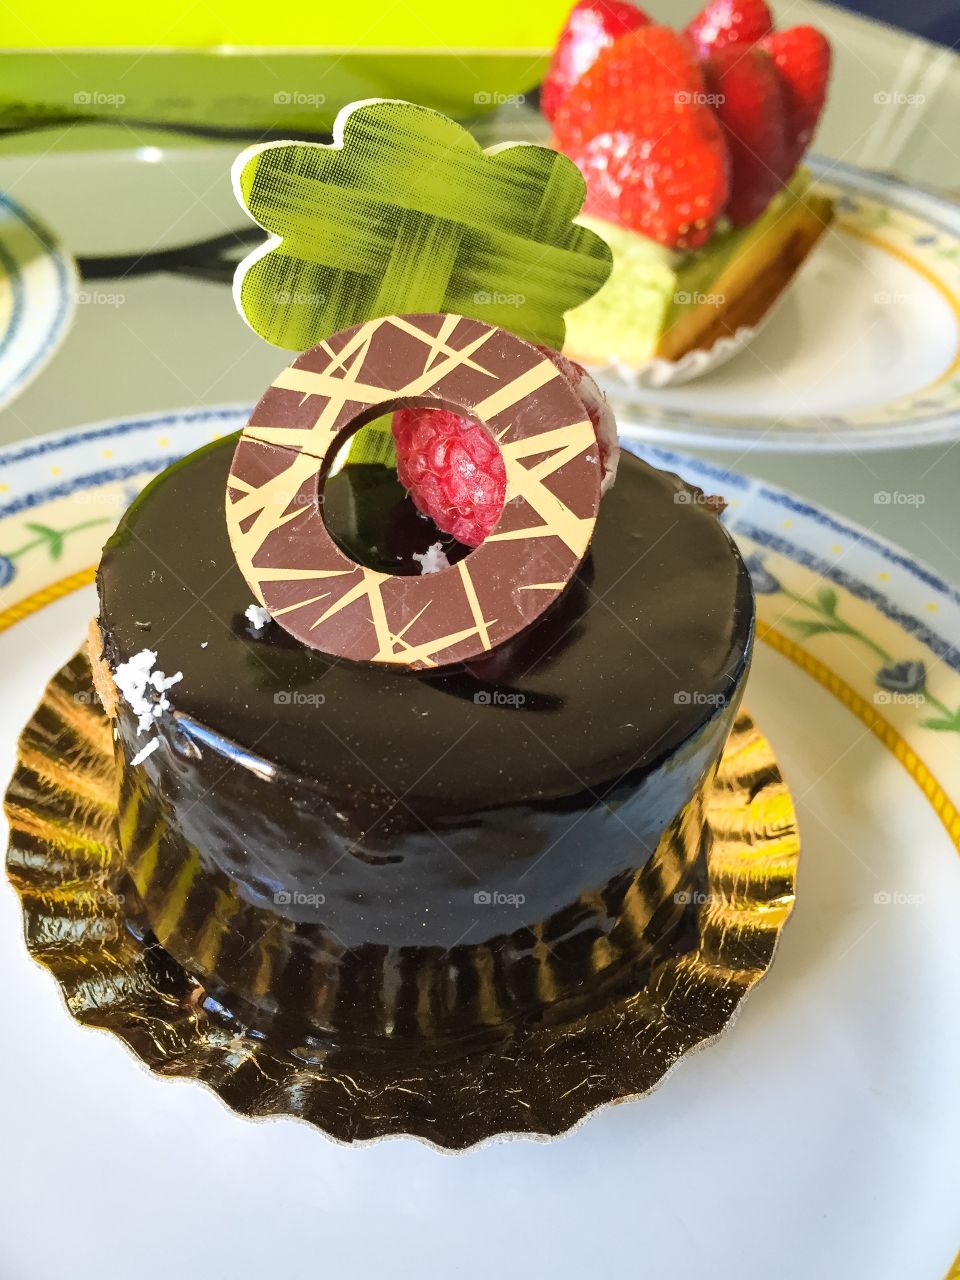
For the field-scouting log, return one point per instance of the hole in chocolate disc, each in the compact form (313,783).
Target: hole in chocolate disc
(377,522)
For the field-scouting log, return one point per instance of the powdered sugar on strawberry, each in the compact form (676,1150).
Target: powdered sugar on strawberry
(673,131)
(591,27)
(724,23)
(638,127)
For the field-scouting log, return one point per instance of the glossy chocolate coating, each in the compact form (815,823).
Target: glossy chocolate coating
(561,777)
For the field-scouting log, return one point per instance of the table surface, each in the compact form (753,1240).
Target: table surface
(159,341)
(933,19)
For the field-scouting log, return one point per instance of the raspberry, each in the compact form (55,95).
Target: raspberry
(454,471)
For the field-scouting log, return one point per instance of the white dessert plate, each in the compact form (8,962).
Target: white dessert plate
(817,1137)
(37,297)
(861,352)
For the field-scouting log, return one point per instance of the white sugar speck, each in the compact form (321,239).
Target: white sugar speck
(144,752)
(138,684)
(204,643)
(433,559)
(257,616)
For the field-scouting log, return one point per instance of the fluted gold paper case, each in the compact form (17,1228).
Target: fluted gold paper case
(64,860)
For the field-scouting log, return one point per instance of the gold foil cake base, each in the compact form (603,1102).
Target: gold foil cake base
(64,860)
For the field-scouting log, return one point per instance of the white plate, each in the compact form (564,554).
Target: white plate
(862,351)
(37,297)
(818,1137)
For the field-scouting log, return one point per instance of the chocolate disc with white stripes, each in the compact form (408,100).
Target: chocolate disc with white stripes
(329,601)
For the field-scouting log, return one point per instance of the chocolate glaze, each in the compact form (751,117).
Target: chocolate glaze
(382,852)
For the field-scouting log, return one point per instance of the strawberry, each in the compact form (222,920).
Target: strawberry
(802,57)
(651,150)
(745,86)
(650,71)
(591,27)
(726,22)
(454,471)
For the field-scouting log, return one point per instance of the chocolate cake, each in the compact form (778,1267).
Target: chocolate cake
(380,789)
(421,858)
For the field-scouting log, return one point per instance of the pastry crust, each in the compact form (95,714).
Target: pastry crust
(750,284)
(102,679)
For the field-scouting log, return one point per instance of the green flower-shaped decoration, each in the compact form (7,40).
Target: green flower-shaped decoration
(404,212)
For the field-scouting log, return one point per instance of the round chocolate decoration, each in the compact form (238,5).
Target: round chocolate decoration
(274,493)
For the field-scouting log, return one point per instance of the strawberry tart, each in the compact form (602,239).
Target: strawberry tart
(691,144)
